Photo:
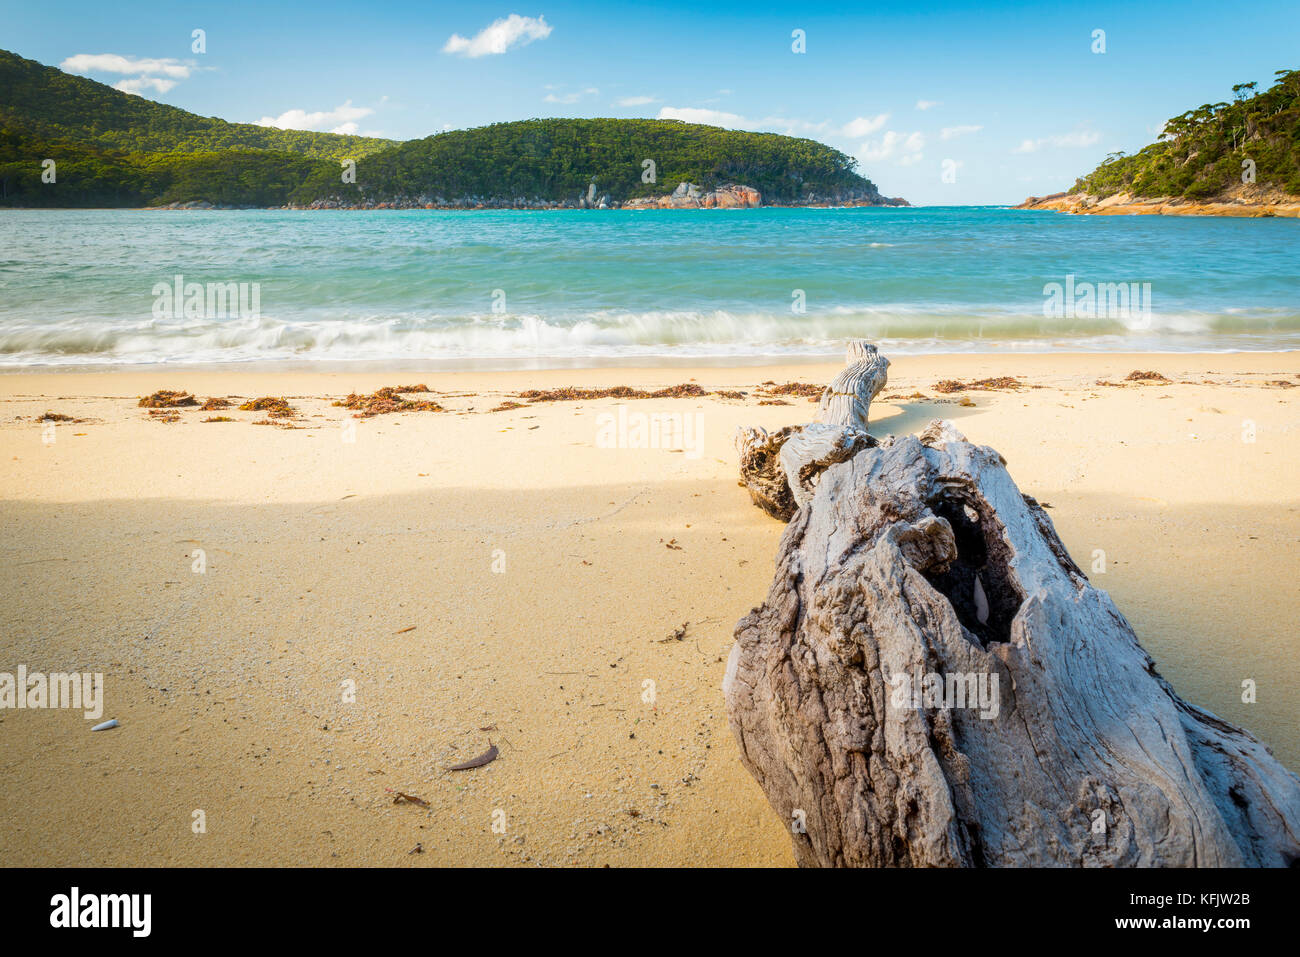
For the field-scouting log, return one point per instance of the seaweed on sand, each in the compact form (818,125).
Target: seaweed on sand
(949,386)
(275,407)
(806,390)
(1137,375)
(685,390)
(386,400)
(167,399)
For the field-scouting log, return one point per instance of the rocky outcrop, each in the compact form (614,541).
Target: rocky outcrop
(732,196)
(1246,201)
(846,197)
(690,196)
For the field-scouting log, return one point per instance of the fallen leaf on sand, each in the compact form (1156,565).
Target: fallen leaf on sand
(487,756)
(405,630)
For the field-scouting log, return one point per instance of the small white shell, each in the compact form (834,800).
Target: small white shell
(105,725)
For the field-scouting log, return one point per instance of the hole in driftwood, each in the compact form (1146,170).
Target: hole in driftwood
(978,584)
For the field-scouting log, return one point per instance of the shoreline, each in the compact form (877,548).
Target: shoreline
(371,561)
(638,370)
(583,365)
(201,206)
(1126,204)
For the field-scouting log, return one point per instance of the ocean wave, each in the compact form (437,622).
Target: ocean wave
(614,333)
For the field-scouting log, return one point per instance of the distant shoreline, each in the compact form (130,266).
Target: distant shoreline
(1257,206)
(203,206)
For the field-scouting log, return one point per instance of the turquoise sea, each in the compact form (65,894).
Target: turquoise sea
(506,288)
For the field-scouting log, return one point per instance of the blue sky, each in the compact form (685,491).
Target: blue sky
(1008,98)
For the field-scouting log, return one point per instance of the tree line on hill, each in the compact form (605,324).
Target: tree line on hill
(1204,152)
(113,149)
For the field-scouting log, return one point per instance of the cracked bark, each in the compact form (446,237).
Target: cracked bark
(917,556)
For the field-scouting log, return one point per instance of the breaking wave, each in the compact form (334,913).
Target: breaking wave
(612,333)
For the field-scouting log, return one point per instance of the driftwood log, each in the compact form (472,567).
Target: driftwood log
(781,469)
(933,682)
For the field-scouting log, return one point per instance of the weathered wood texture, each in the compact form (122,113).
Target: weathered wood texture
(780,469)
(919,557)
(847,400)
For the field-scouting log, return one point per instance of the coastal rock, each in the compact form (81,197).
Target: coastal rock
(1241,201)
(688,196)
(846,197)
(732,197)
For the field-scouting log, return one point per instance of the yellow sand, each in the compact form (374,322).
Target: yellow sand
(321,555)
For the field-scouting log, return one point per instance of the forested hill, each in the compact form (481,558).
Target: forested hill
(48,104)
(114,149)
(1204,152)
(558,159)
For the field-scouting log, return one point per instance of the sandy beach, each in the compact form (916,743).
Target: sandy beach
(291,621)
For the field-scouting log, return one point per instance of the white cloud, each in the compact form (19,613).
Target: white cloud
(1077,139)
(113,63)
(139,83)
(572,97)
(952,132)
(905,146)
(790,126)
(143,73)
(927,104)
(499,36)
(341,119)
(635,100)
(734,121)
(864,125)
(690,114)
(793,127)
